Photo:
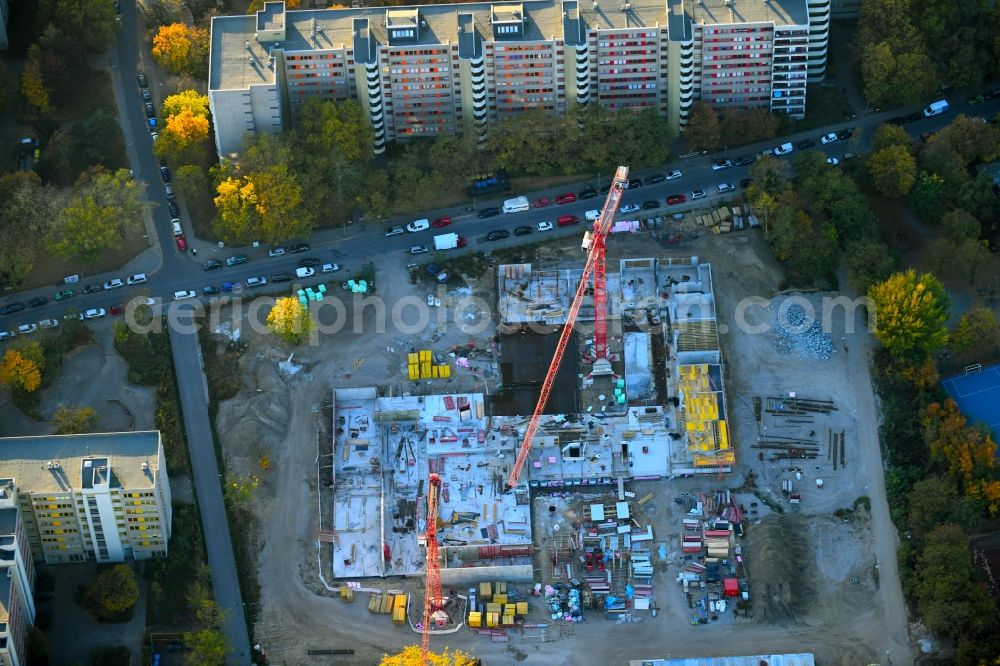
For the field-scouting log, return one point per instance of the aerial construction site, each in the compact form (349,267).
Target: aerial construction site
(614,450)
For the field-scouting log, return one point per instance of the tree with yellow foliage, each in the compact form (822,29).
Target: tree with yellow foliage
(260,205)
(183,140)
(411,656)
(191,100)
(17,371)
(182,49)
(290,320)
(33,81)
(967,452)
(909,314)
(187,127)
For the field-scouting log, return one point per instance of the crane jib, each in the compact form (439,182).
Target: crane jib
(595,267)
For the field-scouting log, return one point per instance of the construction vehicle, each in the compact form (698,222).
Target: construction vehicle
(594,243)
(433,601)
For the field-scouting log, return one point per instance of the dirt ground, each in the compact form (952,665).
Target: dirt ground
(802,566)
(90,376)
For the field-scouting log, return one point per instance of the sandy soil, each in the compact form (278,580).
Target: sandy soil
(91,376)
(842,622)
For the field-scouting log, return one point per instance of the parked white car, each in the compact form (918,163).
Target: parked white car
(674,175)
(829,138)
(329,268)
(116,283)
(418,225)
(545,226)
(93,313)
(183,294)
(48,323)
(24,329)
(630,208)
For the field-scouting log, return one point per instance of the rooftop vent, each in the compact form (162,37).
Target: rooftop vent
(145,465)
(246,45)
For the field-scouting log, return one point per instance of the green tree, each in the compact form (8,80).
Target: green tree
(191,181)
(974,140)
(893,171)
(867,262)
(887,135)
(960,256)
(33,81)
(74,420)
(97,140)
(950,603)
(90,23)
(738,127)
(206,647)
(934,501)
(771,175)
(909,314)
(926,196)
(26,213)
(114,591)
(337,127)
(263,205)
(978,329)
(808,250)
(102,210)
(703,130)
(960,225)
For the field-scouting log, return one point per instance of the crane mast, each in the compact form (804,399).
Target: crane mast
(432,584)
(594,242)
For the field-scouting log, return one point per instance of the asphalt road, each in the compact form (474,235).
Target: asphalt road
(193,389)
(191,381)
(357,245)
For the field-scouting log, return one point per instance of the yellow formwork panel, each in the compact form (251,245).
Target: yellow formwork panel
(413,372)
(412,358)
(475,619)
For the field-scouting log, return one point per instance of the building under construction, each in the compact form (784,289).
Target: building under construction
(661,412)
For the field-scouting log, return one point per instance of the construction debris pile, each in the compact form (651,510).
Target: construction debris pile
(724,219)
(797,333)
(713,573)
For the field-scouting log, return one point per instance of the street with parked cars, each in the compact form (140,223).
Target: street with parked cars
(694,182)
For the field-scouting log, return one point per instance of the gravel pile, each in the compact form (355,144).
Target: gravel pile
(794,334)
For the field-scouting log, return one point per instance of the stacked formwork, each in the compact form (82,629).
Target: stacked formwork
(712,568)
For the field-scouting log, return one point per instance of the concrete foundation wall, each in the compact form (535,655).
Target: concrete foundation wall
(464,577)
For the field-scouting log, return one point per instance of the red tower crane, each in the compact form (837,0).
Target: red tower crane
(595,244)
(433,603)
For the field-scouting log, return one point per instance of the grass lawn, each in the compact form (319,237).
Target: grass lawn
(50,270)
(167,606)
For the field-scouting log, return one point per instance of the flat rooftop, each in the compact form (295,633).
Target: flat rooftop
(335,29)
(62,463)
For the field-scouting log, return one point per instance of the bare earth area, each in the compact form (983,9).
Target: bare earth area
(814,582)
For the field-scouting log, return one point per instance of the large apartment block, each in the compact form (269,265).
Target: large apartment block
(428,70)
(103,497)
(17,580)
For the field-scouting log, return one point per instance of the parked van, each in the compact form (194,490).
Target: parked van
(516,205)
(176,224)
(936,108)
(304,272)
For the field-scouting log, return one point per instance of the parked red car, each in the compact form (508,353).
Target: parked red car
(566,220)
(181,243)
(676,199)
(117,309)
(541,203)
(442,221)
(566,198)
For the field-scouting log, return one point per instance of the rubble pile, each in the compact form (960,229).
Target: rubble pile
(794,334)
